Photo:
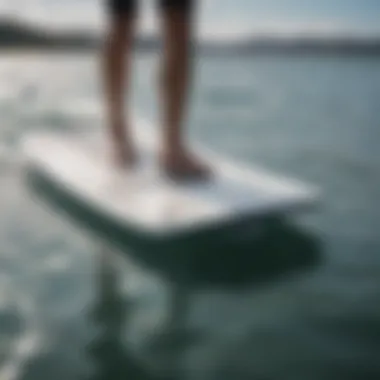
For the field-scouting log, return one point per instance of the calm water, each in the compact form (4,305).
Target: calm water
(64,310)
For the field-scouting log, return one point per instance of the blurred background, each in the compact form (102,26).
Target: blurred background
(288,84)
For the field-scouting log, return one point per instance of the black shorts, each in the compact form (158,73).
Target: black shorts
(130,6)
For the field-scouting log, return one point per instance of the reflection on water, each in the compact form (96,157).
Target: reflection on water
(168,350)
(111,357)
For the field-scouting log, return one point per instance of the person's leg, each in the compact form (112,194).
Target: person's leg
(117,59)
(177,19)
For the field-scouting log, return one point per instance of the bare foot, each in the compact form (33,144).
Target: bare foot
(124,155)
(182,166)
(122,151)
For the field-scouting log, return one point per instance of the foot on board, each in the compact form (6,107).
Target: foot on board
(182,166)
(123,153)
(124,157)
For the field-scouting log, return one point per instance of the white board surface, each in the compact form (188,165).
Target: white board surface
(144,199)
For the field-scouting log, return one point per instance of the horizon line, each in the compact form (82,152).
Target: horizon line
(253,34)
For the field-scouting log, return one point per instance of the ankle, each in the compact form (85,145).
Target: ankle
(173,150)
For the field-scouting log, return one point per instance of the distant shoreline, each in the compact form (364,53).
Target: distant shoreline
(257,48)
(15,36)
(67,50)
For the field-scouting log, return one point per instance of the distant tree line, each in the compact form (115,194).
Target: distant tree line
(14,34)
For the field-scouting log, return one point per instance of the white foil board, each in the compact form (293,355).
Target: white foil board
(144,199)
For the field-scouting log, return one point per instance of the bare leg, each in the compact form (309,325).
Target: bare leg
(117,59)
(176,159)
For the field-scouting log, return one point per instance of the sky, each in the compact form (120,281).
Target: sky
(218,18)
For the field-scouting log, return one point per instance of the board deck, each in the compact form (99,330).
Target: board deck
(145,200)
